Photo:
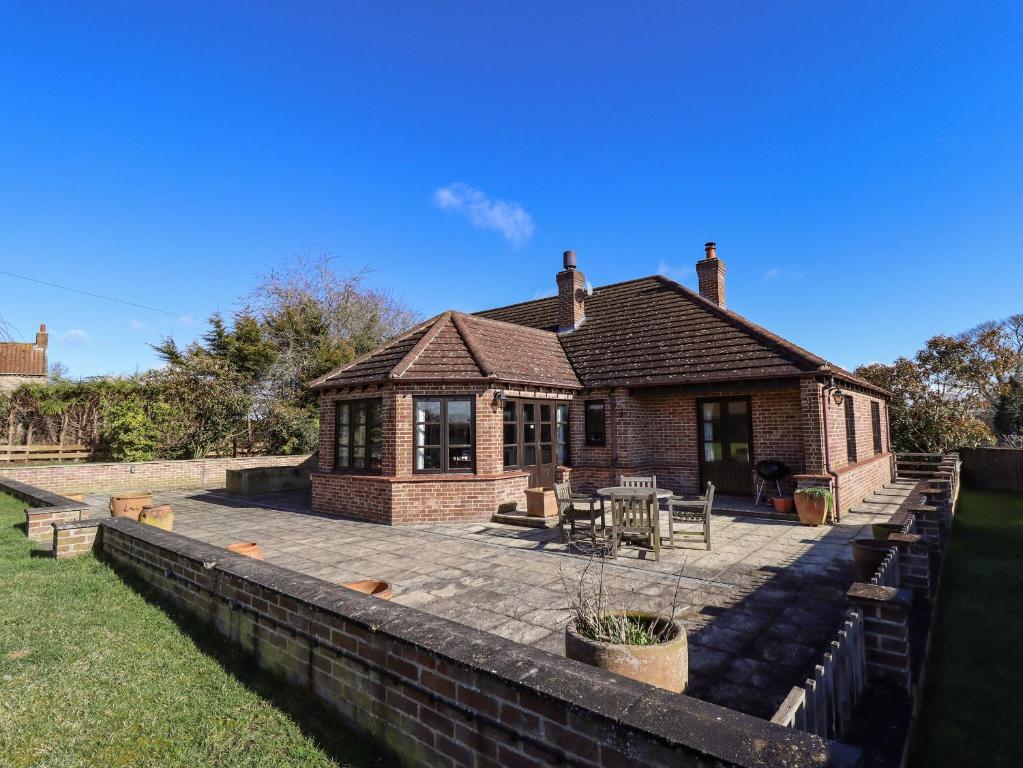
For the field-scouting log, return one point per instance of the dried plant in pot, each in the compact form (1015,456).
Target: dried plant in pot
(814,504)
(604,632)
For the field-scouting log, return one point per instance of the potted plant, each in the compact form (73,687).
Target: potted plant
(782,504)
(814,504)
(868,554)
(644,646)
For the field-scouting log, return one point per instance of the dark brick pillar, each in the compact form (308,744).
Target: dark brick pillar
(885,612)
(915,562)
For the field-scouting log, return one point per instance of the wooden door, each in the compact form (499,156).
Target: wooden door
(536,423)
(726,445)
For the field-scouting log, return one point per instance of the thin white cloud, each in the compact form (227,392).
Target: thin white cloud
(545,293)
(665,269)
(510,219)
(772,273)
(138,325)
(75,337)
(186,319)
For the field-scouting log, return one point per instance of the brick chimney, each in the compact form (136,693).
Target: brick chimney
(571,295)
(42,337)
(711,271)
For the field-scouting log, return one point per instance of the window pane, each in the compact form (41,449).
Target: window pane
(459,434)
(428,458)
(528,433)
(708,430)
(459,411)
(545,432)
(428,411)
(711,411)
(740,452)
(545,413)
(562,453)
(712,451)
(736,407)
(460,458)
(509,412)
(545,454)
(594,423)
(511,455)
(528,412)
(343,459)
(509,434)
(529,454)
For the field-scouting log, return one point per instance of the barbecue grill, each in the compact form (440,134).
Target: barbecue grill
(770,470)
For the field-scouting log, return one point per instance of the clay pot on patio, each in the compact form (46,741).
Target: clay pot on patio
(868,555)
(783,504)
(130,504)
(247,548)
(372,587)
(812,509)
(541,503)
(664,665)
(159,516)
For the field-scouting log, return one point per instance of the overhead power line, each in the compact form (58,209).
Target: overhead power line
(94,295)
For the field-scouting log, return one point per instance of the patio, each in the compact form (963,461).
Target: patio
(758,608)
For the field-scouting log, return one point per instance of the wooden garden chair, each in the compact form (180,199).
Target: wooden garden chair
(573,507)
(635,516)
(637,481)
(683,512)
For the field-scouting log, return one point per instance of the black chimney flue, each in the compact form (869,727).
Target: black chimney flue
(569,259)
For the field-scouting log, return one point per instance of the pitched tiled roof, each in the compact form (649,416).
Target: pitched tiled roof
(655,331)
(22,359)
(455,346)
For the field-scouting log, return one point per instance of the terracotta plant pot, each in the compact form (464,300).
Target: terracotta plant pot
(813,510)
(372,587)
(783,504)
(664,665)
(247,548)
(541,503)
(868,555)
(160,516)
(130,504)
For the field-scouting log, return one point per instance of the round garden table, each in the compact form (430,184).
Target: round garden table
(635,493)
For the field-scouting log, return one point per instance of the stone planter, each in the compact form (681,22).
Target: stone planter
(868,555)
(159,515)
(665,665)
(812,510)
(130,504)
(372,587)
(541,503)
(247,548)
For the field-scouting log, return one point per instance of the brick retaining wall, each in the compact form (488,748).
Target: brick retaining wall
(142,475)
(438,693)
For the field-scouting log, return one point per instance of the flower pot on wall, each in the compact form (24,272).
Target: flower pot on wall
(664,665)
(868,554)
(129,504)
(541,503)
(159,516)
(247,548)
(372,587)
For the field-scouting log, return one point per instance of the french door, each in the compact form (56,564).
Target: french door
(536,438)
(726,445)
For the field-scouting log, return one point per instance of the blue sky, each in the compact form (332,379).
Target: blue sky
(860,165)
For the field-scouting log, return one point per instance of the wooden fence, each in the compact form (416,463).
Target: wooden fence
(887,574)
(993,469)
(24,454)
(824,704)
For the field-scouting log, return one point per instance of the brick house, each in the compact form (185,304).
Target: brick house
(23,363)
(454,419)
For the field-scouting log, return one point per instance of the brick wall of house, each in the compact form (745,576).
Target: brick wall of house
(142,475)
(857,479)
(436,693)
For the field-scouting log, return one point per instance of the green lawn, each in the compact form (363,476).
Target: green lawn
(971,709)
(92,674)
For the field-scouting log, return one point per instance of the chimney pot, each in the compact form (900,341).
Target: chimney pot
(711,249)
(568,259)
(42,327)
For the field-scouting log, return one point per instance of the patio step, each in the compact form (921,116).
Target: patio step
(523,520)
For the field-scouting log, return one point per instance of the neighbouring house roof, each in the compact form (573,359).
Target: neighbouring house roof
(18,359)
(653,331)
(457,347)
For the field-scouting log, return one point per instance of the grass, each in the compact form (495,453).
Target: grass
(970,714)
(93,674)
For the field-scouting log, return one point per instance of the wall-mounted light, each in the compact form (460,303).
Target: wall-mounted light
(838,396)
(500,396)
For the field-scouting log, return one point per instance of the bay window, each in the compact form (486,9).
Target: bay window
(443,434)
